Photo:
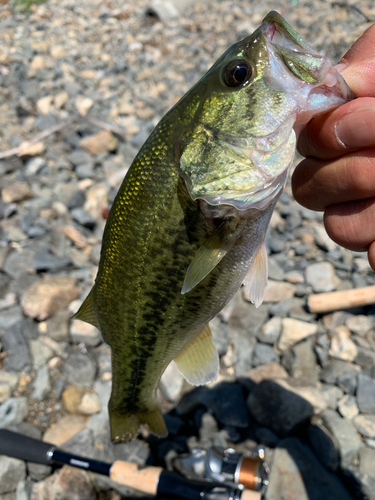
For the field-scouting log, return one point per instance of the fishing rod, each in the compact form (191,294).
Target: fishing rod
(146,479)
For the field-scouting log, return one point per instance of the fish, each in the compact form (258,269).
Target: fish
(188,224)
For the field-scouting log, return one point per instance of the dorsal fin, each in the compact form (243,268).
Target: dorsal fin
(87,311)
(199,361)
(256,279)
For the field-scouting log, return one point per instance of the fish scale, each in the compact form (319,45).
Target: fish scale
(187,226)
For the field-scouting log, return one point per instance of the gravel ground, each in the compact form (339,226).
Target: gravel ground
(89,81)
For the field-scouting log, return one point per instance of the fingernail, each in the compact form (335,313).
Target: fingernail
(357,128)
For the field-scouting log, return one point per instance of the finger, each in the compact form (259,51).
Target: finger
(348,128)
(360,59)
(319,138)
(317,184)
(351,224)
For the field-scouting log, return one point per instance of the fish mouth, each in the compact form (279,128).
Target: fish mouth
(299,64)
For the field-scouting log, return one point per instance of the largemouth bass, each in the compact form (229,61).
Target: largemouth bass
(187,226)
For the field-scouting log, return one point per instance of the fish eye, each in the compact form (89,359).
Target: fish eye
(237,72)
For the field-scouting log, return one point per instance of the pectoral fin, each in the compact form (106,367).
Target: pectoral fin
(199,361)
(256,279)
(207,258)
(87,312)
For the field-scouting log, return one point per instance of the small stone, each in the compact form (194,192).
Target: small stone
(65,429)
(18,191)
(10,378)
(83,217)
(96,200)
(16,346)
(331,395)
(275,272)
(268,371)
(98,143)
(42,384)
(347,407)
(80,369)
(347,379)
(41,352)
(79,240)
(304,366)
(171,382)
(277,291)
(32,149)
(297,474)
(342,347)
(90,404)
(73,483)
(294,330)
(359,324)
(35,165)
(83,105)
(5,391)
(43,105)
(345,432)
(263,354)
(270,331)
(366,393)
(45,297)
(84,332)
(60,99)
(321,276)
(164,10)
(365,425)
(367,461)
(11,472)
(57,326)
(13,411)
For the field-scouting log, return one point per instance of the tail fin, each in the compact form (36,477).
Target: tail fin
(125,427)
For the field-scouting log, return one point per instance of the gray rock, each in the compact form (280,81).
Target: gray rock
(81,444)
(16,346)
(76,200)
(83,217)
(321,348)
(243,346)
(80,369)
(321,276)
(10,317)
(282,308)
(367,461)
(304,365)
(359,324)
(37,472)
(275,407)
(42,384)
(58,326)
(263,354)
(347,407)
(347,380)
(365,358)
(365,425)
(345,433)
(18,262)
(45,261)
(11,472)
(275,272)
(270,331)
(296,473)
(24,489)
(331,394)
(325,445)
(333,370)
(13,411)
(366,394)
(80,157)
(247,318)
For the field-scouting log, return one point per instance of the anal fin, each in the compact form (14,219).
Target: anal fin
(199,361)
(256,279)
(87,312)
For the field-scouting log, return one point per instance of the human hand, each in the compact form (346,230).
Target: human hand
(338,175)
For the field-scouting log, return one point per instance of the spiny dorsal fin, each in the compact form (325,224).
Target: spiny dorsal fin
(256,279)
(199,361)
(87,312)
(207,258)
